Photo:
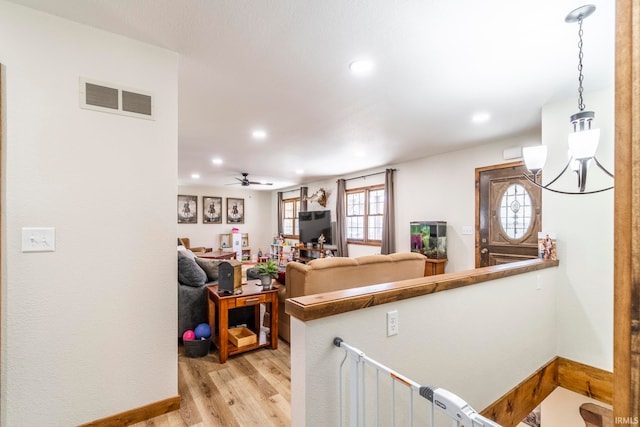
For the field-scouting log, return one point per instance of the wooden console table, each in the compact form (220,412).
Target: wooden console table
(219,306)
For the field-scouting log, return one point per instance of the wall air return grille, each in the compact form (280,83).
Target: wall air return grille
(110,98)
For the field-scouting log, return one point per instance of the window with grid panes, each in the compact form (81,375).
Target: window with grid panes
(290,210)
(365,208)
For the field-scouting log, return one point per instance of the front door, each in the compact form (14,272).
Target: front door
(508,215)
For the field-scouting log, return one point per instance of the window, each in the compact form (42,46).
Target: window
(365,208)
(515,211)
(290,210)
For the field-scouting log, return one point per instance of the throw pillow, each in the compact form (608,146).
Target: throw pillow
(186,254)
(189,273)
(210,267)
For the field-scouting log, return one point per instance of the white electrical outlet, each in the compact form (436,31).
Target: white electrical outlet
(38,239)
(392,323)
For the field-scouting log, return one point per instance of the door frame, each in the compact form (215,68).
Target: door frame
(477,183)
(626,270)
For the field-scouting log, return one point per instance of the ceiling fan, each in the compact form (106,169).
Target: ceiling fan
(245,181)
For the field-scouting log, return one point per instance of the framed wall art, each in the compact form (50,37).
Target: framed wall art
(187,209)
(235,211)
(211,210)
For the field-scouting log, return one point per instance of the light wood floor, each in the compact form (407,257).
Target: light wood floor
(251,389)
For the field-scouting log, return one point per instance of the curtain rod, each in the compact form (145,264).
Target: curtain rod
(368,175)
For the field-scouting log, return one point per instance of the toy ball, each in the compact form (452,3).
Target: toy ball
(203,330)
(188,335)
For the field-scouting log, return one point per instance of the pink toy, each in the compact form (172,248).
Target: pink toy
(188,335)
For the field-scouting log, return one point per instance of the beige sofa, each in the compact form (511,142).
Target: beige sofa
(334,274)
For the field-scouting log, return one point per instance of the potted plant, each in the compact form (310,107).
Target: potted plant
(267,271)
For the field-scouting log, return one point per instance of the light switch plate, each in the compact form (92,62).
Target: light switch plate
(38,239)
(467,230)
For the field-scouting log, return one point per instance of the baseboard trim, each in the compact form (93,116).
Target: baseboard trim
(516,404)
(586,380)
(513,407)
(137,415)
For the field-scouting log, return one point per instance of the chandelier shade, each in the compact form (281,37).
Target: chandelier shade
(535,157)
(583,145)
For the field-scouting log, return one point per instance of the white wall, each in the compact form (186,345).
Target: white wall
(258,217)
(584,228)
(89,330)
(466,340)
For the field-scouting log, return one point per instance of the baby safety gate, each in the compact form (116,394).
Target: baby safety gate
(379,396)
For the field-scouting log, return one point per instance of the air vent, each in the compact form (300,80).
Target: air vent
(110,98)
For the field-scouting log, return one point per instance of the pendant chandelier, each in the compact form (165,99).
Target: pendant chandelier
(583,141)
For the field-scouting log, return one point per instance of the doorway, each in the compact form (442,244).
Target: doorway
(508,215)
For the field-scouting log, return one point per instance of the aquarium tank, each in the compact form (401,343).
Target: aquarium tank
(429,238)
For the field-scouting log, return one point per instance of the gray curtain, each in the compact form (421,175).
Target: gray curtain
(303,197)
(389,219)
(279,212)
(341,214)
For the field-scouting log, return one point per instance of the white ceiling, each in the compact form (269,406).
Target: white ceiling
(282,65)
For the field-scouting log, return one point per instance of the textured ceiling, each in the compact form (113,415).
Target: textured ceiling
(282,65)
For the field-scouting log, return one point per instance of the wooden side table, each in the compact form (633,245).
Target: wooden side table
(219,306)
(434,266)
(217,255)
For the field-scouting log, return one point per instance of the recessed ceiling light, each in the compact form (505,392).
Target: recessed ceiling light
(216,161)
(299,171)
(481,117)
(195,175)
(259,134)
(361,67)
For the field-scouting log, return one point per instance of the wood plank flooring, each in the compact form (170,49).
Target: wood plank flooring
(250,389)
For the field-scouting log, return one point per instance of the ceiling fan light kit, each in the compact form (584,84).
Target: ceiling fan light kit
(582,142)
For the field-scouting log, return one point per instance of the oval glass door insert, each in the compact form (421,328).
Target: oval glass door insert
(515,211)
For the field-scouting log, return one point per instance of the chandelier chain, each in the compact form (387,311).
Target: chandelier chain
(581,105)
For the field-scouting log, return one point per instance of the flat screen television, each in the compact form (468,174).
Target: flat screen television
(314,223)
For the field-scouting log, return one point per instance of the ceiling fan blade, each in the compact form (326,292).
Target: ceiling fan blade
(260,183)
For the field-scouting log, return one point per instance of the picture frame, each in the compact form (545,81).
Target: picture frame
(225,242)
(187,209)
(211,210)
(235,211)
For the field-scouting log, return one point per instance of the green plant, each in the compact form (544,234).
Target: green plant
(267,268)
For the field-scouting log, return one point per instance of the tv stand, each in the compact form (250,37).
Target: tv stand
(306,254)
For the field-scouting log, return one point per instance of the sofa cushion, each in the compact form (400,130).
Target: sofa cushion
(189,272)
(210,267)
